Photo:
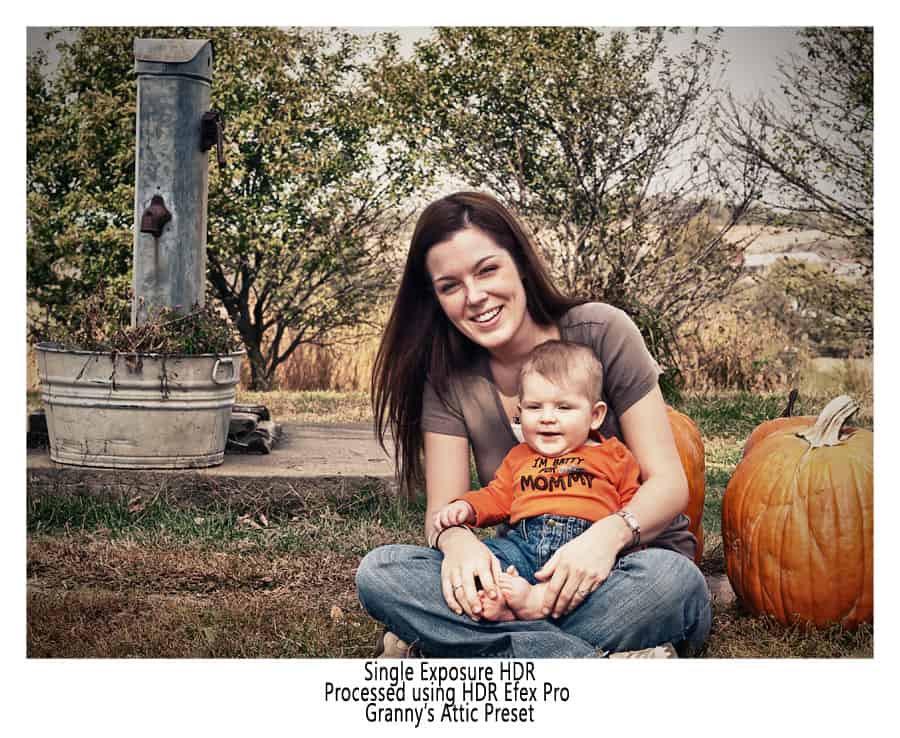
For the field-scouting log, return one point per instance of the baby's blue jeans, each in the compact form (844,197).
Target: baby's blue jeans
(651,596)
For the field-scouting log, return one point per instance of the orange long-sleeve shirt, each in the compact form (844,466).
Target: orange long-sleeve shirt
(590,482)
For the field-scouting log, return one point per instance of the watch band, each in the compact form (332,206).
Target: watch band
(632,523)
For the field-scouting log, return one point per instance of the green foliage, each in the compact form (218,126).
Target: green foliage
(579,131)
(79,174)
(301,217)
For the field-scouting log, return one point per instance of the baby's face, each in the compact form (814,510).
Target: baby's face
(556,420)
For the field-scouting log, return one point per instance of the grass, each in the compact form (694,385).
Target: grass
(312,406)
(156,575)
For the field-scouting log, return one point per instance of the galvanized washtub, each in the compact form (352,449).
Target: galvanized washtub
(137,411)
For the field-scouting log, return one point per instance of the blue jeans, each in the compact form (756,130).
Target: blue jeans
(651,596)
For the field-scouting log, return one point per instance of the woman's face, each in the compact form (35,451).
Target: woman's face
(478,286)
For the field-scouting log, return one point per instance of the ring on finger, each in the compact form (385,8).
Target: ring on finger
(458,586)
(583,592)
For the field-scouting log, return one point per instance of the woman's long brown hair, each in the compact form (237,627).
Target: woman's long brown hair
(419,342)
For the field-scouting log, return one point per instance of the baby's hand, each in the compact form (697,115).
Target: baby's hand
(456,513)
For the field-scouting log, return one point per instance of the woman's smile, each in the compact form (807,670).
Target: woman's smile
(488,317)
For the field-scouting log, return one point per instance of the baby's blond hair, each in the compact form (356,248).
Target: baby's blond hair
(566,363)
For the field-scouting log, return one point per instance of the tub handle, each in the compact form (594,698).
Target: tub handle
(215,370)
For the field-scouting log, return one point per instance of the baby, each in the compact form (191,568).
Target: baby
(554,486)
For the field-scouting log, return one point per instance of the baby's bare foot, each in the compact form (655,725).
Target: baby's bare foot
(515,590)
(523,598)
(495,609)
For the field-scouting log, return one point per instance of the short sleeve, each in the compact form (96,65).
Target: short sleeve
(629,371)
(439,417)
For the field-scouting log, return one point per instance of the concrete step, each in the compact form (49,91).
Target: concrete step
(310,462)
(304,450)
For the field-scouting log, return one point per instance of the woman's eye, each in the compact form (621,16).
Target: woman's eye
(447,288)
(488,270)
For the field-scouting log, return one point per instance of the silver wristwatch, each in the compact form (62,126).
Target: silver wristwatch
(632,523)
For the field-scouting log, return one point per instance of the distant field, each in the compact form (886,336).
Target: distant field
(776,240)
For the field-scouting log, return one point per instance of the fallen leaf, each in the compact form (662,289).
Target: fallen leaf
(336,613)
(247,521)
(264,520)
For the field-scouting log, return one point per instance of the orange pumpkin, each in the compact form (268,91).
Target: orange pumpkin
(797,523)
(691,453)
(787,422)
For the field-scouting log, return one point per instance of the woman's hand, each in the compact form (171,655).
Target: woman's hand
(582,565)
(456,513)
(465,557)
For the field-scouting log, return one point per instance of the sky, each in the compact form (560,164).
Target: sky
(753,52)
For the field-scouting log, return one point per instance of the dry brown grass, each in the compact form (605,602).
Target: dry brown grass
(96,592)
(89,596)
(318,406)
(727,347)
(738,634)
(343,366)
(824,379)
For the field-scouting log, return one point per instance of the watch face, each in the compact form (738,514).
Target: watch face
(632,523)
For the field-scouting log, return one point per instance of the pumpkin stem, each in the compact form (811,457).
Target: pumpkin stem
(789,410)
(827,429)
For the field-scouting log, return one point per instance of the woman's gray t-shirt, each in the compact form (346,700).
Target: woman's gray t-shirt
(473,408)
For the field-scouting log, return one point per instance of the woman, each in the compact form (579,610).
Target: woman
(473,301)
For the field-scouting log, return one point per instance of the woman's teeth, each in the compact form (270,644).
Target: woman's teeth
(485,317)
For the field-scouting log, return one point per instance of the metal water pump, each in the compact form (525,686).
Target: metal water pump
(175,130)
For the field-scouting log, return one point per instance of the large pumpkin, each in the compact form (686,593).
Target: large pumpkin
(691,453)
(787,422)
(797,523)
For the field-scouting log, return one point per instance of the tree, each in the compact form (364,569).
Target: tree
(79,175)
(598,141)
(301,219)
(816,148)
(818,306)
(815,151)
